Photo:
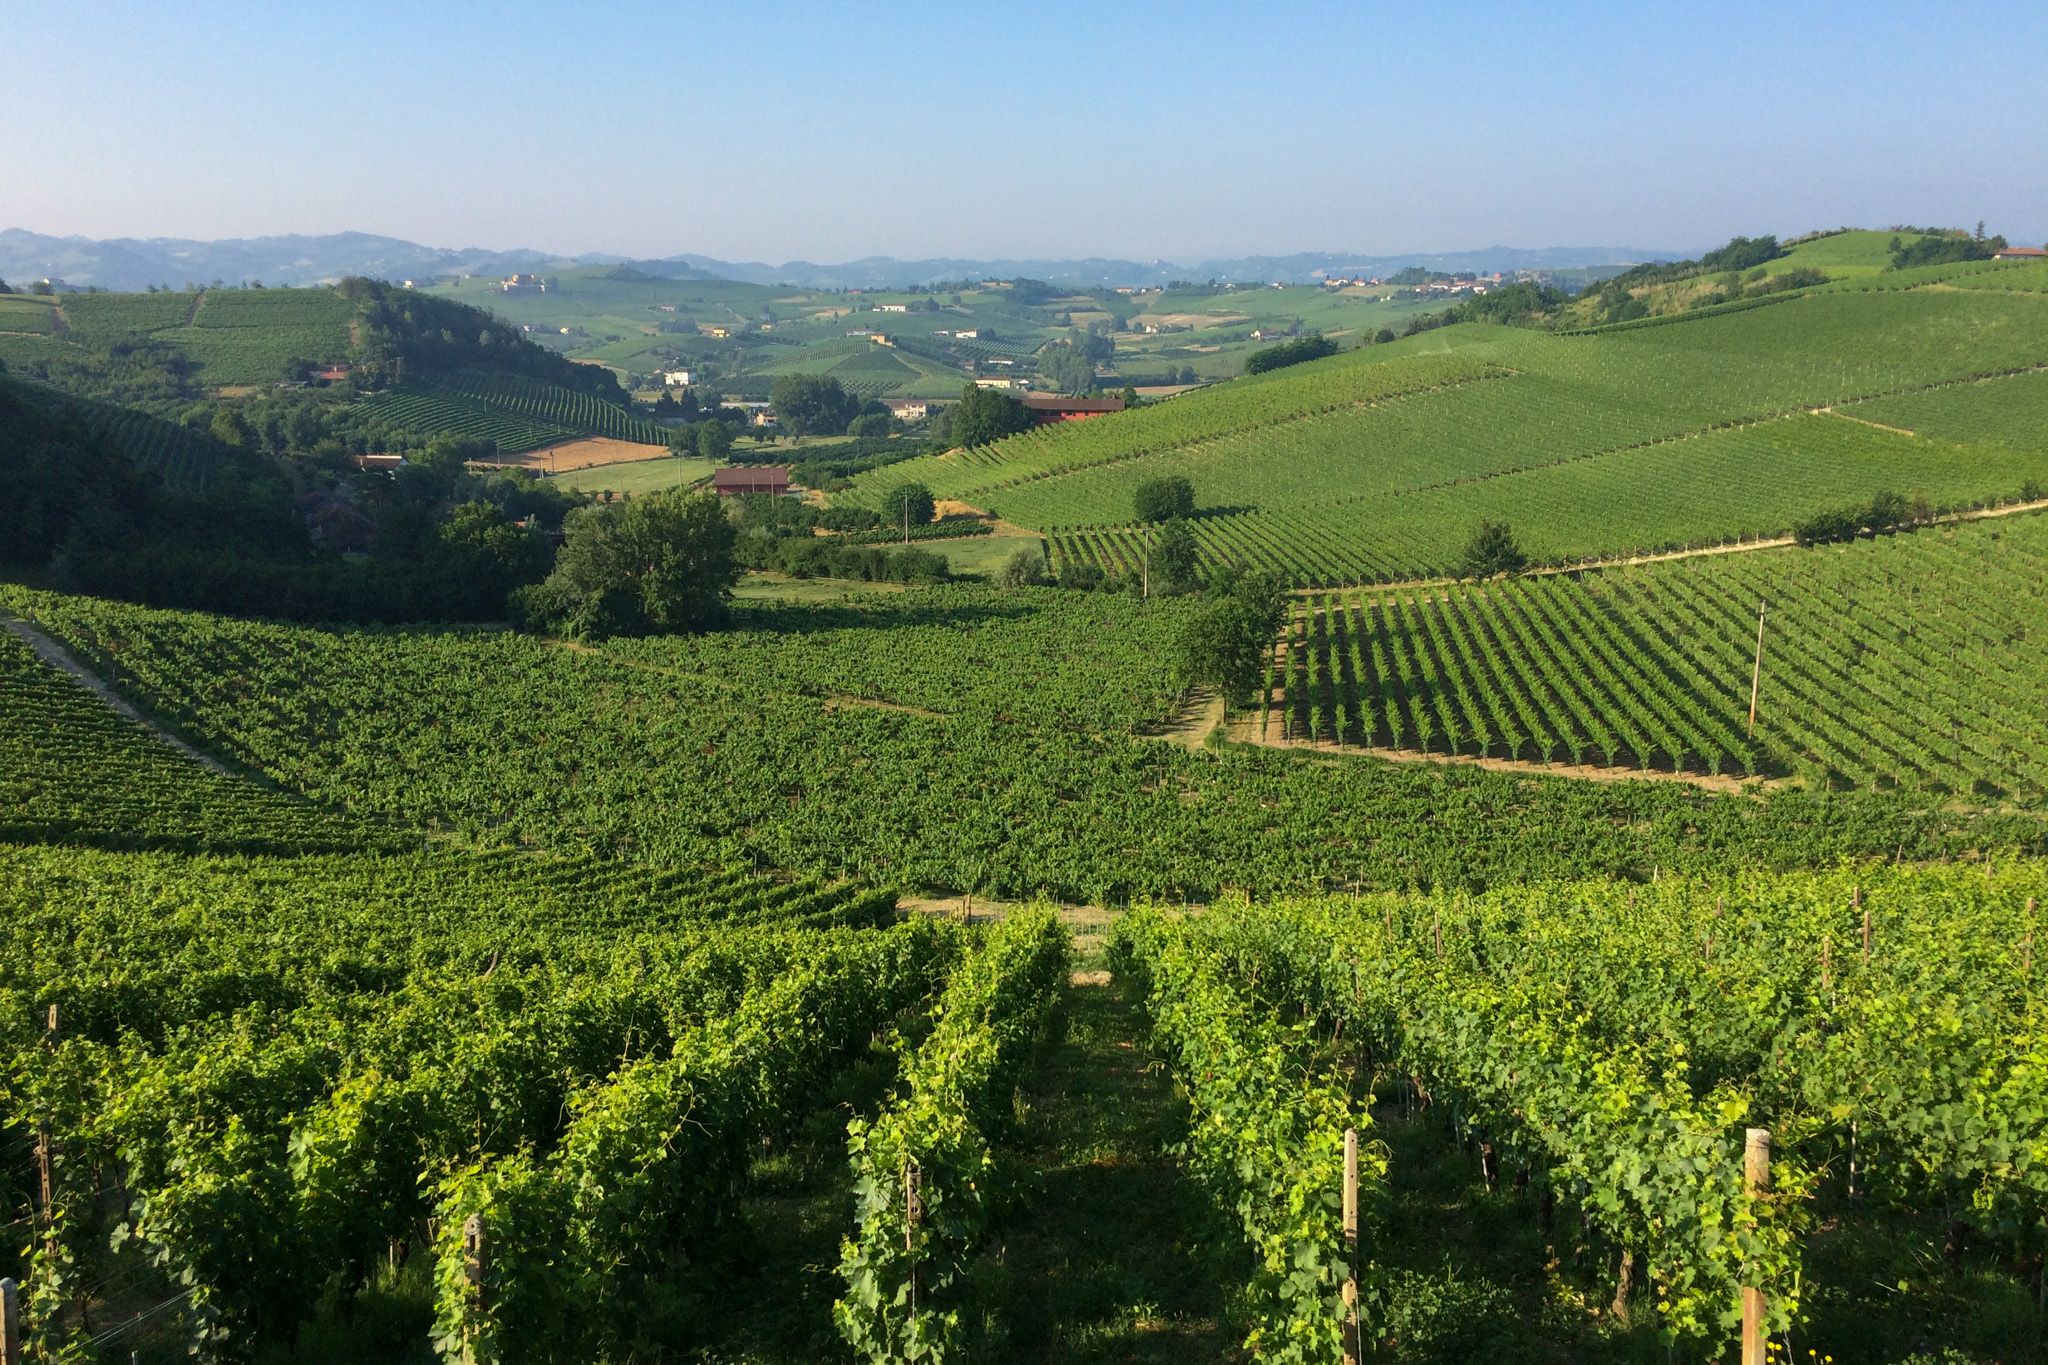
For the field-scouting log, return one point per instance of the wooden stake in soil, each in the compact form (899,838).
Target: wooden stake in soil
(1756,675)
(913,1211)
(1353,1348)
(473,1249)
(10,1323)
(1756,1179)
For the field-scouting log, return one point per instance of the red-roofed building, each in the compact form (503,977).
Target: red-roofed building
(757,478)
(1051,407)
(2020,253)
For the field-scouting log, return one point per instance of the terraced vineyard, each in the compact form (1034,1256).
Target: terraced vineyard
(414,410)
(1677,432)
(1916,660)
(546,404)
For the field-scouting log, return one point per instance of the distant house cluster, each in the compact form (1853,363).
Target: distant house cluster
(907,409)
(527,284)
(679,379)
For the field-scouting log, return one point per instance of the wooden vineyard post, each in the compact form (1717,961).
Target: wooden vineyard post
(1145,572)
(473,1252)
(1856,902)
(46,1179)
(1756,1179)
(1353,1348)
(913,1210)
(10,1323)
(1756,675)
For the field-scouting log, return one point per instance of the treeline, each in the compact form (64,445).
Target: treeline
(779,535)
(1517,305)
(1942,247)
(82,515)
(1289,353)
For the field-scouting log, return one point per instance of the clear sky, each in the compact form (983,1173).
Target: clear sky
(1184,130)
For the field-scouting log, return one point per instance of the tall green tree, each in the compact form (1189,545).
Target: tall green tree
(1175,563)
(1158,500)
(713,439)
(1491,551)
(1225,644)
(653,565)
(984,415)
(908,504)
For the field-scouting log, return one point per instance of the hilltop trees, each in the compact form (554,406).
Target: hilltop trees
(984,415)
(1944,249)
(659,564)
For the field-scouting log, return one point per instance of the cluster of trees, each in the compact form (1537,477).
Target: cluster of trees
(1615,299)
(1942,247)
(659,564)
(819,405)
(1289,353)
(82,514)
(1516,305)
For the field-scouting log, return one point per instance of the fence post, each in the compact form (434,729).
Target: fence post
(1354,1348)
(1756,1179)
(913,1210)
(473,1252)
(10,1323)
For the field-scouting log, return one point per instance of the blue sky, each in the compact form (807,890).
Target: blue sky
(1183,131)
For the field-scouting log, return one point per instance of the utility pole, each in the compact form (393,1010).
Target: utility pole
(1756,675)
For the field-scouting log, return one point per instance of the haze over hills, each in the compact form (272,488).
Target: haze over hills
(128,263)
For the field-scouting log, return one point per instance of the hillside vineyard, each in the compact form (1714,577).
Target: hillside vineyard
(1554,873)
(1632,439)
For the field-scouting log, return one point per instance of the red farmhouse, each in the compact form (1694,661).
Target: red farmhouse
(1048,407)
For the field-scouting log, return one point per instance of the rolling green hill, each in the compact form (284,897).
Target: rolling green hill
(1660,434)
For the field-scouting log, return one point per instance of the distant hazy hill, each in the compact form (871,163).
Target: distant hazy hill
(132,263)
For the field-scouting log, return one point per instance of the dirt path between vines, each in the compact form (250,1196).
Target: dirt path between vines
(53,654)
(1192,720)
(1247,732)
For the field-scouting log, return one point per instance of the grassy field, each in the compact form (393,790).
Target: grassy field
(637,477)
(1373,465)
